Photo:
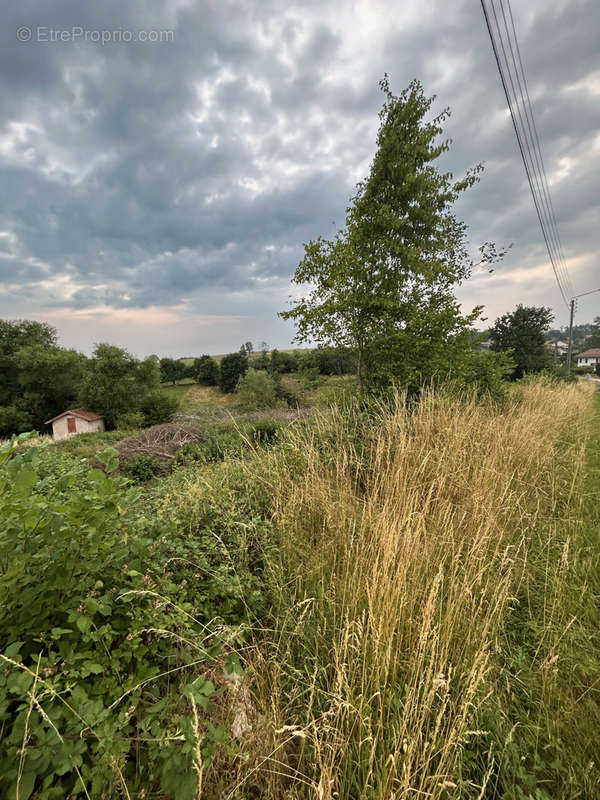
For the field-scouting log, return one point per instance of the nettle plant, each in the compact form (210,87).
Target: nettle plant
(104,658)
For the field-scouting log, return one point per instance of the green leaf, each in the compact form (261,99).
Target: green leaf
(58,632)
(25,785)
(83,623)
(25,479)
(93,667)
(109,458)
(96,475)
(12,651)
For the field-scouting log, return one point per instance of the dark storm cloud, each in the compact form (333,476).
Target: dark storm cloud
(155,174)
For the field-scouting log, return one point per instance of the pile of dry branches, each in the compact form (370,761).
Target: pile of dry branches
(160,442)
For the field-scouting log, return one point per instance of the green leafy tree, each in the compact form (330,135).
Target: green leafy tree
(15,334)
(521,332)
(169,370)
(49,378)
(335,360)
(231,370)
(149,372)
(206,371)
(38,379)
(116,382)
(383,286)
(275,362)
(593,340)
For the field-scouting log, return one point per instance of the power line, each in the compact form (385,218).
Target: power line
(533,133)
(534,163)
(528,146)
(538,147)
(541,196)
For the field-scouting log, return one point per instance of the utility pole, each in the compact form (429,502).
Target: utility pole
(570,336)
(583,294)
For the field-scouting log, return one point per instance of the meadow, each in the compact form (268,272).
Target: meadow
(369,600)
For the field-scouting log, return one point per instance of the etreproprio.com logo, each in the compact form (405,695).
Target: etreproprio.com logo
(77,33)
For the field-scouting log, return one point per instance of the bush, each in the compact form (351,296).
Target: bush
(85,707)
(489,372)
(587,370)
(282,362)
(256,389)
(142,468)
(231,370)
(264,431)
(285,393)
(158,407)
(310,377)
(219,445)
(130,421)
(558,373)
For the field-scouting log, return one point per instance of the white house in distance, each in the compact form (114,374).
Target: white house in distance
(75,421)
(589,358)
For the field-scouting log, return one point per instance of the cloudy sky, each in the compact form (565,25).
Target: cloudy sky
(156,194)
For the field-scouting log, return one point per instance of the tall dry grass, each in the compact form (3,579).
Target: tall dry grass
(409,543)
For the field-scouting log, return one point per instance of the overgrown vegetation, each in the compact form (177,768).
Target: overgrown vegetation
(408,593)
(114,635)
(435,578)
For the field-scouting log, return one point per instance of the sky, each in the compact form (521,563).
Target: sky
(158,186)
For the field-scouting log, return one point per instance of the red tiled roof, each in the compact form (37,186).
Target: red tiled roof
(593,353)
(90,416)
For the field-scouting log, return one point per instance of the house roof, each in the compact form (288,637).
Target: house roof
(593,353)
(90,416)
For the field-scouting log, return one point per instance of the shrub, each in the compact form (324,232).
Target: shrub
(158,407)
(256,389)
(264,431)
(586,370)
(85,707)
(218,445)
(231,370)
(282,362)
(489,372)
(130,421)
(285,393)
(142,468)
(310,377)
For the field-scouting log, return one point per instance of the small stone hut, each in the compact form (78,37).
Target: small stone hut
(75,421)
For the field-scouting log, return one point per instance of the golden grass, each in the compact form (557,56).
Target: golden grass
(403,556)
(208,396)
(33,442)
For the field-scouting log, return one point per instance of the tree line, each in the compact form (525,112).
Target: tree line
(226,372)
(39,379)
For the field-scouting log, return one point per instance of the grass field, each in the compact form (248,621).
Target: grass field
(411,594)
(435,624)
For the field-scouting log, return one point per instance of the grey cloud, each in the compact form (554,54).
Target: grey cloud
(155,173)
